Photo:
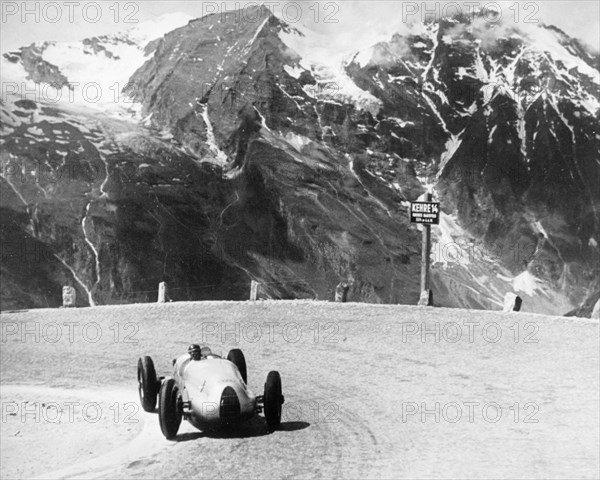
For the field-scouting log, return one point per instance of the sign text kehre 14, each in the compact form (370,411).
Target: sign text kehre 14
(425,212)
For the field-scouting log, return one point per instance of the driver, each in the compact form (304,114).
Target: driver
(195,352)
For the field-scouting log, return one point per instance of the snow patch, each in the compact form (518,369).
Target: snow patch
(96,80)
(448,249)
(401,123)
(293,72)
(452,145)
(35,131)
(260,29)
(433,36)
(210,137)
(364,57)
(262,120)
(328,68)
(297,141)
(526,283)
(491,135)
(436,112)
(548,41)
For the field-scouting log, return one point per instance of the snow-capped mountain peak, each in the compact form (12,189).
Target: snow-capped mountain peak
(89,72)
(150,30)
(311,153)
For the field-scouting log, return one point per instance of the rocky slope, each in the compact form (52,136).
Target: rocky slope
(233,155)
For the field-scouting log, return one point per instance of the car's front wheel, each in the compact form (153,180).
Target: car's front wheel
(169,409)
(148,384)
(236,357)
(273,400)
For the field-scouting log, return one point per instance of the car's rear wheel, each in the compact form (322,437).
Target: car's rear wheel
(148,384)
(273,400)
(169,409)
(236,357)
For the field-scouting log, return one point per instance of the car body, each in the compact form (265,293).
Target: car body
(209,392)
(213,391)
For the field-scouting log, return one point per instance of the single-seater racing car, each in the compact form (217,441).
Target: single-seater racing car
(207,390)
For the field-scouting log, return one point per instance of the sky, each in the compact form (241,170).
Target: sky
(24,22)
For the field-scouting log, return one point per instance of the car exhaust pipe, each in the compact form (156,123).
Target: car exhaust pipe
(230,410)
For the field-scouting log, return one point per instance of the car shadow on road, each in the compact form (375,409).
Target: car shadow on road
(253,428)
(186,437)
(293,426)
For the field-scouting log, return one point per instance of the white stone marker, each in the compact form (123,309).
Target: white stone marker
(69,297)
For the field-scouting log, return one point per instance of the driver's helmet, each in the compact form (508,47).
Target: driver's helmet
(195,352)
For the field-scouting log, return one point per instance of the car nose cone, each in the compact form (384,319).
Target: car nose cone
(230,410)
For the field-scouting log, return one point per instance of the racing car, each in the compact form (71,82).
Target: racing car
(207,390)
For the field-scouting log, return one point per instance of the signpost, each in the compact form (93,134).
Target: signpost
(426,213)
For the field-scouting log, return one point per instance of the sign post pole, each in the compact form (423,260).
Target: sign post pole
(426,253)
(426,213)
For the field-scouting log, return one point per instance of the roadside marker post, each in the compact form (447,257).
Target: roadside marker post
(163,292)
(254,287)
(69,297)
(426,213)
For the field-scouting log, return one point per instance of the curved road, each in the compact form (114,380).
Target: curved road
(371,391)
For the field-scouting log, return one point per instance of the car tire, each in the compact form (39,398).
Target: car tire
(273,399)
(148,384)
(236,357)
(169,409)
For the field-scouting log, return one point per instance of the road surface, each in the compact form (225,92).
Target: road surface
(371,391)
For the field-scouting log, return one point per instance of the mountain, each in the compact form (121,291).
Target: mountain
(227,151)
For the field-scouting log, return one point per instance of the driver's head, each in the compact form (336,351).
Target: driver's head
(195,352)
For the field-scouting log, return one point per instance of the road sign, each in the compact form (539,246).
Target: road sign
(427,213)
